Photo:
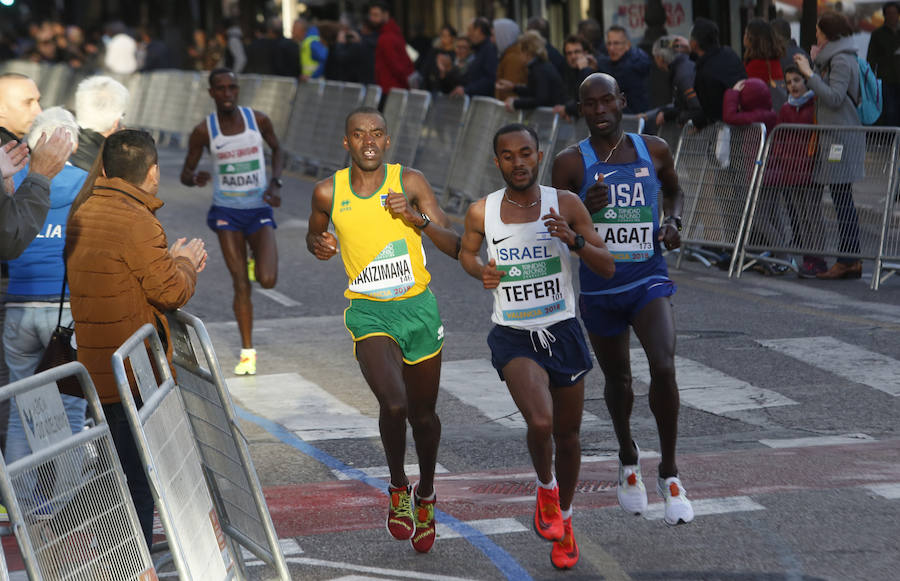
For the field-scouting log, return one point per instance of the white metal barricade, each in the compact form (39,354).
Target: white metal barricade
(165,442)
(229,470)
(826,191)
(717,169)
(68,501)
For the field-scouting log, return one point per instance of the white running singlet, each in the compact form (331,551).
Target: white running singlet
(239,164)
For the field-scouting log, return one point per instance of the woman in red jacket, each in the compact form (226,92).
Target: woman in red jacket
(762,52)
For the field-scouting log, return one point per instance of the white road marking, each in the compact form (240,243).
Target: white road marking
(610,456)
(709,389)
(289,548)
(763,292)
(853,363)
(890,491)
(294,223)
(475,382)
(819,441)
(301,406)
(384,471)
(489,526)
(276,296)
(707,506)
(398,573)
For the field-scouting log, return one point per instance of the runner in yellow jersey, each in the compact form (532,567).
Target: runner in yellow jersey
(380,212)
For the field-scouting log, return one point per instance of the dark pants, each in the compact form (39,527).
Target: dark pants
(848,221)
(131,466)
(890,112)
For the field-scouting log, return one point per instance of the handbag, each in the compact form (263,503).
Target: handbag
(59,351)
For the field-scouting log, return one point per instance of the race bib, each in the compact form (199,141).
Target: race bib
(389,275)
(531,290)
(627,232)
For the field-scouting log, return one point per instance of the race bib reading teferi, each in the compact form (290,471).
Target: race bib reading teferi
(531,290)
(627,232)
(389,275)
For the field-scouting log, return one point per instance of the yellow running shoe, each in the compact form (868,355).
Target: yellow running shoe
(4,516)
(247,365)
(251,269)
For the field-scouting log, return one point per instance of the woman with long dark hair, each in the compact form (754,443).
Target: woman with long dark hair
(763,50)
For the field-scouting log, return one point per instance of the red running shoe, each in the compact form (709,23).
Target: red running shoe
(400,517)
(565,552)
(423,517)
(548,522)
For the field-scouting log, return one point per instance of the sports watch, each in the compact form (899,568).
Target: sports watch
(674,220)
(426,222)
(578,244)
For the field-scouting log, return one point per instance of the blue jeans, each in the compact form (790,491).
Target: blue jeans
(26,333)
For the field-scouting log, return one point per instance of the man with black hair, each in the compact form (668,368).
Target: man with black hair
(884,58)
(537,345)
(241,214)
(121,276)
(392,63)
(481,74)
(717,69)
(380,213)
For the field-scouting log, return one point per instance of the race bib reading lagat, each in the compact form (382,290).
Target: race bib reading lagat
(531,290)
(389,274)
(627,232)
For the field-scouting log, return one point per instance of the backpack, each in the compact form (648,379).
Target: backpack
(871,99)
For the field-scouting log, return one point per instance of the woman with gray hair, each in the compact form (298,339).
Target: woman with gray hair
(33,295)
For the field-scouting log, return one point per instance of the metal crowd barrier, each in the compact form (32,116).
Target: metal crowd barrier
(789,214)
(229,470)
(297,142)
(545,122)
(440,134)
(717,169)
(406,131)
(165,442)
(473,173)
(68,501)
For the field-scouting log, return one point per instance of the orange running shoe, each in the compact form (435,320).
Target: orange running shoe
(564,554)
(548,522)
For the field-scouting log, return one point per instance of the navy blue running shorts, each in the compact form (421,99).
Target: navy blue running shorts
(247,221)
(566,361)
(609,315)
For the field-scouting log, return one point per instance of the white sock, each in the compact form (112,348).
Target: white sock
(248,352)
(566,513)
(550,486)
(426,498)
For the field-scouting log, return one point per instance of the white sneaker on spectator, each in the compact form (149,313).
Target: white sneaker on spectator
(678,507)
(630,490)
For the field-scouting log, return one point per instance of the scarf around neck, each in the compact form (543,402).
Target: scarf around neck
(802,99)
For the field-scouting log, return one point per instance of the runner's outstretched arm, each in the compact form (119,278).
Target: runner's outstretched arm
(319,241)
(470,247)
(198,140)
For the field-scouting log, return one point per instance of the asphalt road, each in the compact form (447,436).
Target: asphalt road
(788,432)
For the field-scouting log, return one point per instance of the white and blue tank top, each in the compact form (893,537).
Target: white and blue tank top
(239,164)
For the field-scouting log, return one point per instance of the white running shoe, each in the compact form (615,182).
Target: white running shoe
(678,507)
(630,490)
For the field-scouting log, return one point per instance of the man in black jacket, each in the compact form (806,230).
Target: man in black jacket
(685,105)
(717,68)
(482,72)
(580,63)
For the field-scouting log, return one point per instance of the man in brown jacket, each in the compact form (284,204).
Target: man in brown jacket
(122,275)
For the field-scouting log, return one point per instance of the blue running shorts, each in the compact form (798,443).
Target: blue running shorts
(607,315)
(247,221)
(566,361)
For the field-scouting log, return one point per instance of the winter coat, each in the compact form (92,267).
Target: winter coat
(764,70)
(392,63)
(840,155)
(544,88)
(685,105)
(121,275)
(631,72)
(790,160)
(482,71)
(37,274)
(884,54)
(717,70)
(513,67)
(752,104)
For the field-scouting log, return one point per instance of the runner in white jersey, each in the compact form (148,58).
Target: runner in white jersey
(537,345)
(241,212)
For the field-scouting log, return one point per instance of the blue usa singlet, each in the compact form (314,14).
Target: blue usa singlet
(629,225)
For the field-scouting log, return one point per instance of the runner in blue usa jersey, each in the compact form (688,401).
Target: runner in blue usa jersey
(620,176)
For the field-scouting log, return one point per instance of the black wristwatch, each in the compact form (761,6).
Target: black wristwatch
(675,220)
(426,222)
(277,182)
(578,244)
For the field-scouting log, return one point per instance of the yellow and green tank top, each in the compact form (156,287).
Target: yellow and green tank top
(383,256)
